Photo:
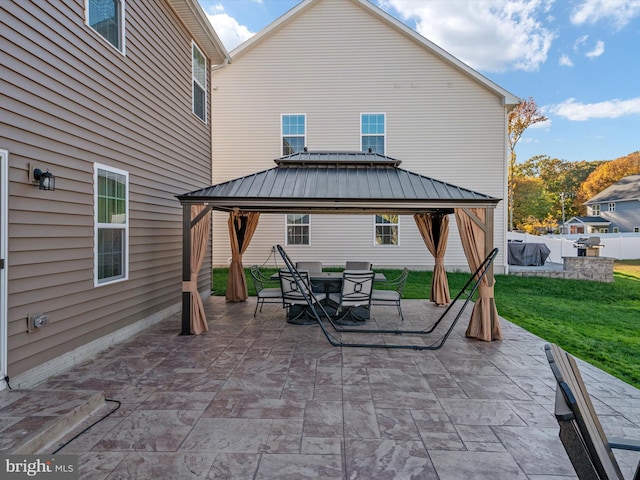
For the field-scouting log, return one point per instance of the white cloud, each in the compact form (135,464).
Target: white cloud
(580,41)
(619,12)
(565,61)
(491,35)
(573,110)
(231,33)
(597,50)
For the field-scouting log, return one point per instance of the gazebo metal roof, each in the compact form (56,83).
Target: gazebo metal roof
(326,182)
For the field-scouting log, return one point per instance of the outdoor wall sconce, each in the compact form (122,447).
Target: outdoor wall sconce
(45,179)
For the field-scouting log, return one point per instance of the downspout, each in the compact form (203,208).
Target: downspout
(220,65)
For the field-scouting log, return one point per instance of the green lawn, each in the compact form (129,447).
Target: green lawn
(598,322)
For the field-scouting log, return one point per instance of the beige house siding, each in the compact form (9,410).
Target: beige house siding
(70,100)
(333,61)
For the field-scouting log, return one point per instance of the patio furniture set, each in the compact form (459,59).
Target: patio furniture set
(347,309)
(347,295)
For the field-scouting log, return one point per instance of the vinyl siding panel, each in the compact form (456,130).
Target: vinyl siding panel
(332,62)
(626,217)
(69,100)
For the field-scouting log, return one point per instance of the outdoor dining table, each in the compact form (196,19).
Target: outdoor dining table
(329,282)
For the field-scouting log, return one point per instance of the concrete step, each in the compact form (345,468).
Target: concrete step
(31,421)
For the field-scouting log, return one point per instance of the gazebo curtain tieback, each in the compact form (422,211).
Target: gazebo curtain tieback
(485,291)
(192,285)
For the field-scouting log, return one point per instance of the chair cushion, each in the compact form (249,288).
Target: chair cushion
(270,293)
(385,295)
(303,301)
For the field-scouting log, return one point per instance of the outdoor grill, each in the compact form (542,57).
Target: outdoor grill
(588,247)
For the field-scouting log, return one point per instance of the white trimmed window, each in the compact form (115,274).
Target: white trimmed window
(298,228)
(372,132)
(111,201)
(386,230)
(595,210)
(636,229)
(107,18)
(199,74)
(616,230)
(612,207)
(294,131)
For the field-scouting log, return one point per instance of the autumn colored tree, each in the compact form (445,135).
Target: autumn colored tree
(607,174)
(561,179)
(524,115)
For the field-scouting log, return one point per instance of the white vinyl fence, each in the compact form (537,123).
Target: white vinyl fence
(616,245)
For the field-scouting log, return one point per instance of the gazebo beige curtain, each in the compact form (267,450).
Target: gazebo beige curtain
(434,228)
(242,225)
(484,323)
(199,241)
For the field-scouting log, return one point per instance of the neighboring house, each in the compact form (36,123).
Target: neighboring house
(111,97)
(586,224)
(343,75)
(619,205)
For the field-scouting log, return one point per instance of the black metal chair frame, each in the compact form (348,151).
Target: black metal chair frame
(398,285)
(356,289)
(581,432)
(473,282)
(261,283)
(297,290)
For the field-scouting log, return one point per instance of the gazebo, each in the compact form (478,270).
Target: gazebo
(335,183)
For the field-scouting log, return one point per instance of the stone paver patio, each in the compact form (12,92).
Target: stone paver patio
(257,398)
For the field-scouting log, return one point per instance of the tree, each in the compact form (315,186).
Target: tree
(607,174)
(532,202)
(561,179)
(519,119)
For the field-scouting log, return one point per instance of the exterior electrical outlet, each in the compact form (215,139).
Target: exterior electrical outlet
(38,320)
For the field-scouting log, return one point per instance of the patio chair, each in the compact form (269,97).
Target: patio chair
(297,295)
(391,293)
(581,433)
(355,294)
(266,289)
(354,265)
(319,313)
(311,267)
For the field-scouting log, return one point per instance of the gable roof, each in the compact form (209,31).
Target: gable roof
(337,182)
(196,21)
(508,98)
(589,220)
(626,189)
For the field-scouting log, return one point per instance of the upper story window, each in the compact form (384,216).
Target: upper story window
(111,200)
(294,130)
(612,207)
(298,229)
(386,229)
(372,132)
(107,18)
(636,229)
(199,74)
(595,210)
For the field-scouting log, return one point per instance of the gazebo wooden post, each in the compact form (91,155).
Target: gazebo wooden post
(488,238)
(186,268)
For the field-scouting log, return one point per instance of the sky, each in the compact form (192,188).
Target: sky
(578,59)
